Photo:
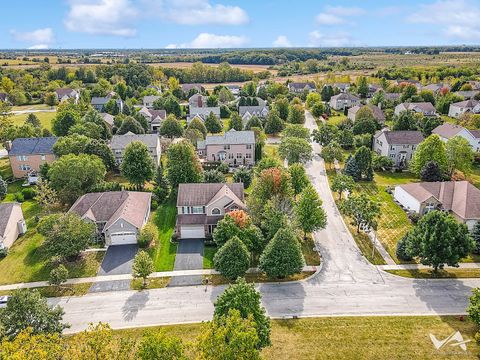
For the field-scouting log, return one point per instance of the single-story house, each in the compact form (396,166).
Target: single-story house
(119,215)
(149,100)
(64,94)
(12,223)
(201,206)
(447,131)
(460,198)
(28,154)
(397,145)
(377,112)
(425,108)
(120,142)
(467,106)
(343,101)
(234,147)
(300,87)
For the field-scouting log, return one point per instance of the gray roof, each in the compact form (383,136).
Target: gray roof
(447,130)
(100,100)
(200,144)
(150,98)
(392,96)
(122,141)
(345,96)
(3,97)
(5,213)
(467,103)
(201,194)
(467,94)
(231,137)
(422,106)
(301,85)
(402,137)
(33,146)
(109,119)
(188,87)
(377,112)
(251,109)
(64,92)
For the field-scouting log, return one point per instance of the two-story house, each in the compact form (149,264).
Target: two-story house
(447,131)
(149,100)
(28,154)
(120,142)
(343,101)
(118,215)
(202,112)
(98,103)
(64,94)
(248,111)
(397,145)
(154,117)
(201,206)
(467,106)
(424,108)
(300,87)
(234,147)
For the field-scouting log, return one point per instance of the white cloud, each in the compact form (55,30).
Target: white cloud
(38,47)
(282,41)
(318,39)
(197,12)
(206,40)
(44,36)
(109,17)
(335,15)
(455,18)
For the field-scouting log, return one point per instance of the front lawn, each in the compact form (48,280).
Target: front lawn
(440,274)
(336,118)
(310,253)
(208,254)
(163,254)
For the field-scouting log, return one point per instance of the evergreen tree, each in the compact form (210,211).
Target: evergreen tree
(476,237)
(309,212)
(162,187)
(351,169)
(431,172)
(213,124)
(235,122)
(198,124)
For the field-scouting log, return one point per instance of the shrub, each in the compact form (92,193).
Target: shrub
(413,217)
(28,193)
(19,197)
(148,235)
(223,167)
(401,250)
(3,252)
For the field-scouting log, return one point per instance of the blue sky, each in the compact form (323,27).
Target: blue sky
(227,23)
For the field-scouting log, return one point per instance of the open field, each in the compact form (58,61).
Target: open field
(349,338)
(44,117)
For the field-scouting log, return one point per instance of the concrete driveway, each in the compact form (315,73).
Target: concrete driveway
(118,260)
(189,257)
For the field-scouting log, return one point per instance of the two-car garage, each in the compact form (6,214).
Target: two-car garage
(192,231)
(123,238)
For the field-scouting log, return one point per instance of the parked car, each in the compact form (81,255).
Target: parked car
(3,301)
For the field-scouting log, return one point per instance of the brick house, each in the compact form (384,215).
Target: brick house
(28,154)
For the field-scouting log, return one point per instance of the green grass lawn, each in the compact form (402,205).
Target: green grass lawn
(271,150)
(31,107)
(208,254)
(5,168)
(309,251)
(382,337)
(474,177)
(163,254)
(44,117)
(440,274)
(336,118)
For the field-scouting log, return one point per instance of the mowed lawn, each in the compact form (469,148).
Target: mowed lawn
(380,337)
(44,117)
(164,251)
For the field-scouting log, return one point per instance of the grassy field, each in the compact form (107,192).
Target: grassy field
(440,274)
(380,337)
(31,107)
(164,252)
(336,118)
(44,117)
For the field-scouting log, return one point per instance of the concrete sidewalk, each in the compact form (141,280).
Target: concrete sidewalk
(420,266)
(103,278)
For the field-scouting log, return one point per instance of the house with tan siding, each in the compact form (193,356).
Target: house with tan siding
(12,223)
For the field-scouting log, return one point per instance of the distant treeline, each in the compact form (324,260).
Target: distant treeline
(439,72)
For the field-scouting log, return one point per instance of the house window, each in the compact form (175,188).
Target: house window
(118,152)
(248,156)
(42,157)
(197,210)
(22,157)
(226,147)
(249,146)
(216,211)
(392,156)
(24,167)
(391,147)
(230,156)
(239,155)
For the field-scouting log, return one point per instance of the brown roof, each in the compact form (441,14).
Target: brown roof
(402,137)
(202,194)
(377,112)
(447,130)
(475,133)
(460,197)
(108,207)
(197,219)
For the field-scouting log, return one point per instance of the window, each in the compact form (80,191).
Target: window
(22,157)
(24,167)
(226,147)
(249,146)
(248,156)
(392,147)
(118,152)
(42,157)
(197,210)
(392,156)
(239,155)
(216,211)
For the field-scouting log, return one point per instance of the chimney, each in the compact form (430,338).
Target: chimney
(200,101)
(8,145)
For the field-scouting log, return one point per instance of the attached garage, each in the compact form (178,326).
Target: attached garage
(192,232)
(123,238)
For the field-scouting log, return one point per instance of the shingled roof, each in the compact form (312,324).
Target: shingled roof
(231,137)
(122,141)
(402,137)
(5,213)
(33,146)
(202,194)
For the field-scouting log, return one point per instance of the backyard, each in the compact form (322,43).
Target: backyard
(44,117)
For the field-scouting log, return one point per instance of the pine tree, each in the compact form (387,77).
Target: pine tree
(351,169)
(162,187)
(235,122)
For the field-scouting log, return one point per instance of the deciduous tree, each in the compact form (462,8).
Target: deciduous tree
(137,163)
(361,210)
(430,149)
(183,165)
(295,150)
(142,266)
(341,183)
(232,259)
(309,212)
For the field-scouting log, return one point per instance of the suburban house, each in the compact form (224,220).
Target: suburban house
(435,88)
(12,223)
(342,87)
(300,87)
(447,131)
(475,84)
(187,87)
(377,112)
(118,215)
(154,117)
(392,96)
(3,97)
(197,100)
(425,108)
(343,101)
(462,107)
(460,198)
(467,94)
(98,103)
(397,145)
(149,100)
(28,154)
(373,88)
(109,119)
(120,142)
(201,206)
(247,112)
(202,113)
(64,94)
(234,89)
(234,147)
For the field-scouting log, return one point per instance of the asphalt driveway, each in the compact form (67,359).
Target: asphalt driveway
(118,260)
(189,257)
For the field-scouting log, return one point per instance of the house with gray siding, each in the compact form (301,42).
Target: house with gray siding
(120,142)
(397,145)
(424,108)
(201,206)
(118,215)
(343,101)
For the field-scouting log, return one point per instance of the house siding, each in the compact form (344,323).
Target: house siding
(216,152)
(12,231)
(32,161)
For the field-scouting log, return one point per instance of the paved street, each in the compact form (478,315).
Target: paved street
(346,285)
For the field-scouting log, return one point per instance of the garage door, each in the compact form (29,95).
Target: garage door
(192,232)
(123,238)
